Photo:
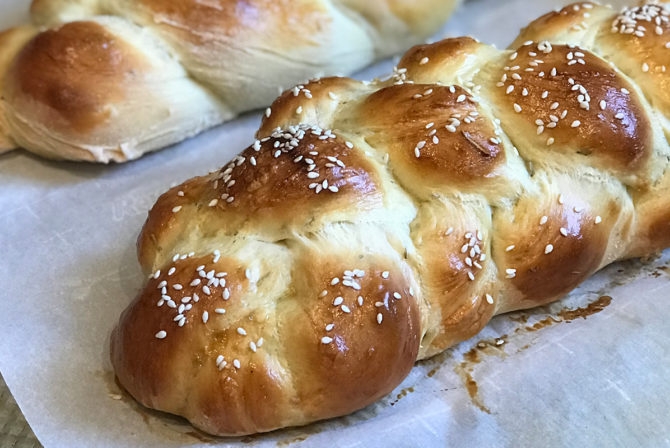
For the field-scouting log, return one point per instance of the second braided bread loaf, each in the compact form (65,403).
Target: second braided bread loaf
(100,80)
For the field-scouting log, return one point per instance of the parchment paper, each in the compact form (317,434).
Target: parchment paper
(597,377)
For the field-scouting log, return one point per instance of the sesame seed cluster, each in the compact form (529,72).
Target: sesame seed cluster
(502,179)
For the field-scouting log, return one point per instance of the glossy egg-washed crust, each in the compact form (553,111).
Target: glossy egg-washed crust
(102,81)
(374,224)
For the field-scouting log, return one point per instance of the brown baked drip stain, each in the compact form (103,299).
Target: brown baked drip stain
(592,308)
(403,393)
(564,315)
(660,271)
(436,362)
(494,347)
(488,347)
(547,321)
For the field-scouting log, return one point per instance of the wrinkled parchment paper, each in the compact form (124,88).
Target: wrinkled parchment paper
(597,376)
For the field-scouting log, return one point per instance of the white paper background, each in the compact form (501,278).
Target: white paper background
(67,239)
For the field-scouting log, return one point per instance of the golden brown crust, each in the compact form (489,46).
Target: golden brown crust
(201,318)
(566,100)
(343,334)
(373,341)
(433,133)
(636,41)
(633,39)
(72,73)
(456,271)
(203,23)
(355,248)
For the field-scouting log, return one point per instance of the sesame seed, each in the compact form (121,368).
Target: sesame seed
(206,290)
(548,249)
(598,220)
(543,220)
(380,318)
(423,61)
(338,301)
(511,273)
(563,231)
(176,209)
(205,317)
(161,334)
(489,299)
(220,311)
(471,276)
(236,363)
(397,295)
(326,340)
(345,309)
(330,327)
(510,248)
(241,331)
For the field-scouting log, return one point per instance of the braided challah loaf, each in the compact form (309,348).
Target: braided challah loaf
(374,224)
(101,80)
